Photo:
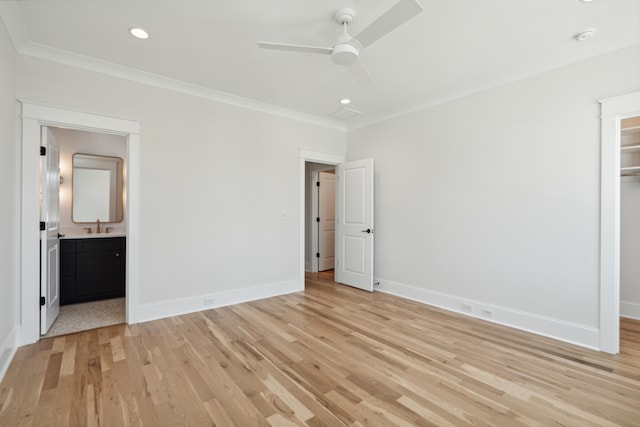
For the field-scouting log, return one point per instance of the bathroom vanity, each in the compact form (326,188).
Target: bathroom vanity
(92,268)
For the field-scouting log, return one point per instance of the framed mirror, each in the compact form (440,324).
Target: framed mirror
(97,188)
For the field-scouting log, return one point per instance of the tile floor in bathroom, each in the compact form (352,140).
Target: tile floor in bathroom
(88,315)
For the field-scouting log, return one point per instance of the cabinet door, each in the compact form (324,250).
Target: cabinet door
(67,271)
(100,273)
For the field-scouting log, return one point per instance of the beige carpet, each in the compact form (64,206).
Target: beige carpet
(88,315)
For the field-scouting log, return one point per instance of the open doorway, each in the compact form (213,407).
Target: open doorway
(91,215)
(630,217)
(324,161)
(613,112)
(354,219)
(320,205)
(34,117)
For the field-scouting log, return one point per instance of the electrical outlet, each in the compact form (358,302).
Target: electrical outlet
(486,312)
(209,300)
(466,307)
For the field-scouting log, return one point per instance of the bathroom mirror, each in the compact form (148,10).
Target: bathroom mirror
(96,189)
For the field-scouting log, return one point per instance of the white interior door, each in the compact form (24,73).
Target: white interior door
(354,224)
(49,238)
(327,223)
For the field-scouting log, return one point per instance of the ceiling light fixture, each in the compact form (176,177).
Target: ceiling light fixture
(139,33)
(345,101)
(585,35)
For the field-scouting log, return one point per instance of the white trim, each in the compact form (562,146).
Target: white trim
(316,157)
(34,116)
(8,350)
(613,111)
(630,309)
(582,335)
(134,75)
(180,306)
(10,14)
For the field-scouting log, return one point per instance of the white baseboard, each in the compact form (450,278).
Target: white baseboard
(8,349)
(573,333)
(177,307)
(630,309)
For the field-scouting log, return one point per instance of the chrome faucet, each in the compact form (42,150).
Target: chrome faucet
(98,226)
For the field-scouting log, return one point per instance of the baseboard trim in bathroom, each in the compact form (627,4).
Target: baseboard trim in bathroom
(88,315)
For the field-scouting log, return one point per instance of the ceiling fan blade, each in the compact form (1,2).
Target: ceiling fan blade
(392,19)
(295,48)
(360,73)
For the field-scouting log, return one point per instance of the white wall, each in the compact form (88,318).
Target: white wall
(214,179)
(75,141)
(9,193)
(494,198)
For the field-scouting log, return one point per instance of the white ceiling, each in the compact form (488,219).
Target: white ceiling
(453,48)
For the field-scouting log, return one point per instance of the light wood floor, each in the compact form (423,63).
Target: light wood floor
(331,355)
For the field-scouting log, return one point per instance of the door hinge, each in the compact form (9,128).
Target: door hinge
(43,151)
(317,254)
(43,225)
(317,219)
(42,301)
(318,184)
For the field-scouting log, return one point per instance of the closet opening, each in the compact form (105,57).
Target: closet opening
(630,218)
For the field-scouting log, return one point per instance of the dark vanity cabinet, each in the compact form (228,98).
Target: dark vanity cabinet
(92,269)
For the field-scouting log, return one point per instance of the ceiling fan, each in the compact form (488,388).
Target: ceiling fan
(347,50)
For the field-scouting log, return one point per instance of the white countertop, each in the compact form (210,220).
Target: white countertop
(93,235)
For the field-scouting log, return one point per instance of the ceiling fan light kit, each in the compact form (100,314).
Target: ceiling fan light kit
(347,51)
(344,54)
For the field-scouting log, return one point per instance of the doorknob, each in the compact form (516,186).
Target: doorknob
(368,231)
(60,235)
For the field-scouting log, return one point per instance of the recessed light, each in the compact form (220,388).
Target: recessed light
(587,1)
(585,35)
(345,101)
(139,33)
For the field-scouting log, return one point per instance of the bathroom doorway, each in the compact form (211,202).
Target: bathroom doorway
(92,230)
(34,117)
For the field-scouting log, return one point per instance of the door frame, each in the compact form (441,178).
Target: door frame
(35,115)
(315,157)
(613,110)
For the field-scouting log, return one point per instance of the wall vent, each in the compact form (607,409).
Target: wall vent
(344,113)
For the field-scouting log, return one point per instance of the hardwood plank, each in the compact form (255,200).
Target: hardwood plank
(329,356)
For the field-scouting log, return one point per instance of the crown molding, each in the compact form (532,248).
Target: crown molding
(10,14)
